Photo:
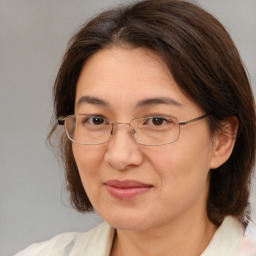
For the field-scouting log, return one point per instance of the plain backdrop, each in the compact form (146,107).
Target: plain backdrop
(33,39)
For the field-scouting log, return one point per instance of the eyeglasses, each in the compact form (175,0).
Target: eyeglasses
(148,131)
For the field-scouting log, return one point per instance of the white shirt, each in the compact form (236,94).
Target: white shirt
(230,239)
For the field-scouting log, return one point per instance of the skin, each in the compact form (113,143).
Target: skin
(170,218)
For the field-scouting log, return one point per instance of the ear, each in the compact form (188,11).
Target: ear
(224,141)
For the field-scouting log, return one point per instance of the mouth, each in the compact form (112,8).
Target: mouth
(126,189)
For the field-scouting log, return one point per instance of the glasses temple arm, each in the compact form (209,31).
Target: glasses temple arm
(193,120)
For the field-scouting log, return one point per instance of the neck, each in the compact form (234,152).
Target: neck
(183,237)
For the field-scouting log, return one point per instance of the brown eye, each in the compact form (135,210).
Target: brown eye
(96,120)
(158,121)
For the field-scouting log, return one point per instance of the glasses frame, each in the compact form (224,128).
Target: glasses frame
(61,121)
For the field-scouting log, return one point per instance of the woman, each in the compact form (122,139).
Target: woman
(159,135)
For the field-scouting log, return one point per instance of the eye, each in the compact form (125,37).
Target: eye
(92,121)
(96,120)
(156,121)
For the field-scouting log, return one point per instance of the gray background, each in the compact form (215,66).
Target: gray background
(33,38)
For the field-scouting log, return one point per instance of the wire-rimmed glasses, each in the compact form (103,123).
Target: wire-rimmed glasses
(149,131)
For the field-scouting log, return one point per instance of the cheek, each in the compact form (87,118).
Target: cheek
(182,166)
(178,160)
(182,179)
(88,160)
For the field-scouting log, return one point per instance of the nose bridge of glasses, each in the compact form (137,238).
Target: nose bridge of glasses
(115,127)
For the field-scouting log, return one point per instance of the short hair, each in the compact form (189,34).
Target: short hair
(205,64)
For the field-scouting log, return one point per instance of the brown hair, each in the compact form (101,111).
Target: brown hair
(206,65)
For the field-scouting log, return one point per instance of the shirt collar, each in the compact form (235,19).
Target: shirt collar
(225,242)
(227,239)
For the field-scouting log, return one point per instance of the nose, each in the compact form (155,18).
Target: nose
(123,152)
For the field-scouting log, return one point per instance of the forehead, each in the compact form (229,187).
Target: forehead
(123,64)
(127,76)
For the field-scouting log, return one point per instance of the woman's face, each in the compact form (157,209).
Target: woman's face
(134,186)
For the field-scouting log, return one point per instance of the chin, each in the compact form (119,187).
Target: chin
(126,221)
(128,225)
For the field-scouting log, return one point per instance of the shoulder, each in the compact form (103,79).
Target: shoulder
(65,243)
(248,244)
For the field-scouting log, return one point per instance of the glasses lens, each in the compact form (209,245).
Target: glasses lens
(157,130)
(88,130)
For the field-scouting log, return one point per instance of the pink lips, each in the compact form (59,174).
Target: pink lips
(127,189)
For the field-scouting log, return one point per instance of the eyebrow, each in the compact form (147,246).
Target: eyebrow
(141,103)
(92,100)
(157,101)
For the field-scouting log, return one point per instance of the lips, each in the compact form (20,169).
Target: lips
(127,189)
